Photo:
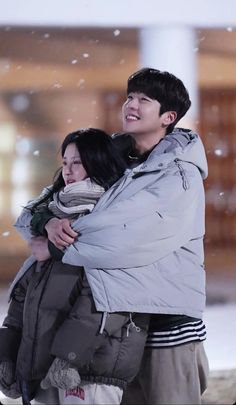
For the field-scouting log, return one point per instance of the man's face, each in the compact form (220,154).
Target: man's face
(141,115)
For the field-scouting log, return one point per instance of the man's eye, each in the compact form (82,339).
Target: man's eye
(77,162)
(63,163)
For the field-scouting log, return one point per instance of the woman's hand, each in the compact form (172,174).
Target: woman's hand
(60,232)
(39,248)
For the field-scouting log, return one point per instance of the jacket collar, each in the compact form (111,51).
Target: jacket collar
(181,144)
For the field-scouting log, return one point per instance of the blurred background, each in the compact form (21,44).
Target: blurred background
(64,65)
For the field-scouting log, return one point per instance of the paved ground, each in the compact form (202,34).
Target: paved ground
(221,388)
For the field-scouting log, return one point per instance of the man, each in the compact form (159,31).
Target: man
(151,225)
(175,366)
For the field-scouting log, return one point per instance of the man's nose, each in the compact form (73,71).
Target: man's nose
(134,103)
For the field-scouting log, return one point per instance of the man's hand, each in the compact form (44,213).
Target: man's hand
(60,232)
(39,248)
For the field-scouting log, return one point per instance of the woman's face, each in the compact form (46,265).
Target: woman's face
(72,168)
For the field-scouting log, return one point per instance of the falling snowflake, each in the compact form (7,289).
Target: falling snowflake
(57,85)
(46,35)
(218,152)
(74,61)
(86,55)
(229,29)
(221,193)
(69,120)
(196,49)
(116,33)
(36,152)
(93,41)
(6,234)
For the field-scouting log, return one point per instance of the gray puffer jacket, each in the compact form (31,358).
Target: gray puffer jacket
(147,230)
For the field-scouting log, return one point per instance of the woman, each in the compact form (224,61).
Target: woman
(52,302)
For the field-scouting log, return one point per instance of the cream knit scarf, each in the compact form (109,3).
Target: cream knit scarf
(76,199)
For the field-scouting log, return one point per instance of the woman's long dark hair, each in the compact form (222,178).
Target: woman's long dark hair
(99,155)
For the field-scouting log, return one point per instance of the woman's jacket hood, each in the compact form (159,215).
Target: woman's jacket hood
(142,246)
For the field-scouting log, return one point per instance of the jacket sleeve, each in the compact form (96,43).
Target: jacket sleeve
(39,220)
(14,316)
(23,223)
(10,333)
(9,344)
(141,229)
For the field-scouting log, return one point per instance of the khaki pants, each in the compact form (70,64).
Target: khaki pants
(170,376)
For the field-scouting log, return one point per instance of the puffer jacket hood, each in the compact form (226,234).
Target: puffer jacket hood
(182,144)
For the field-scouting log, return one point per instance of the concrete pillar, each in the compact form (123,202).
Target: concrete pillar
(173,49)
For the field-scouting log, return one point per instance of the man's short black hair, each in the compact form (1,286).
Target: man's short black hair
(164,87)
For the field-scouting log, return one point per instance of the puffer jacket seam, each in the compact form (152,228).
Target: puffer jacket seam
(105,291)
(182,174)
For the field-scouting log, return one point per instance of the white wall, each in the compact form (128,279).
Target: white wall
(122,13)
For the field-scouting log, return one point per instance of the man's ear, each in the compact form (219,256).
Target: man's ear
(169,117)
